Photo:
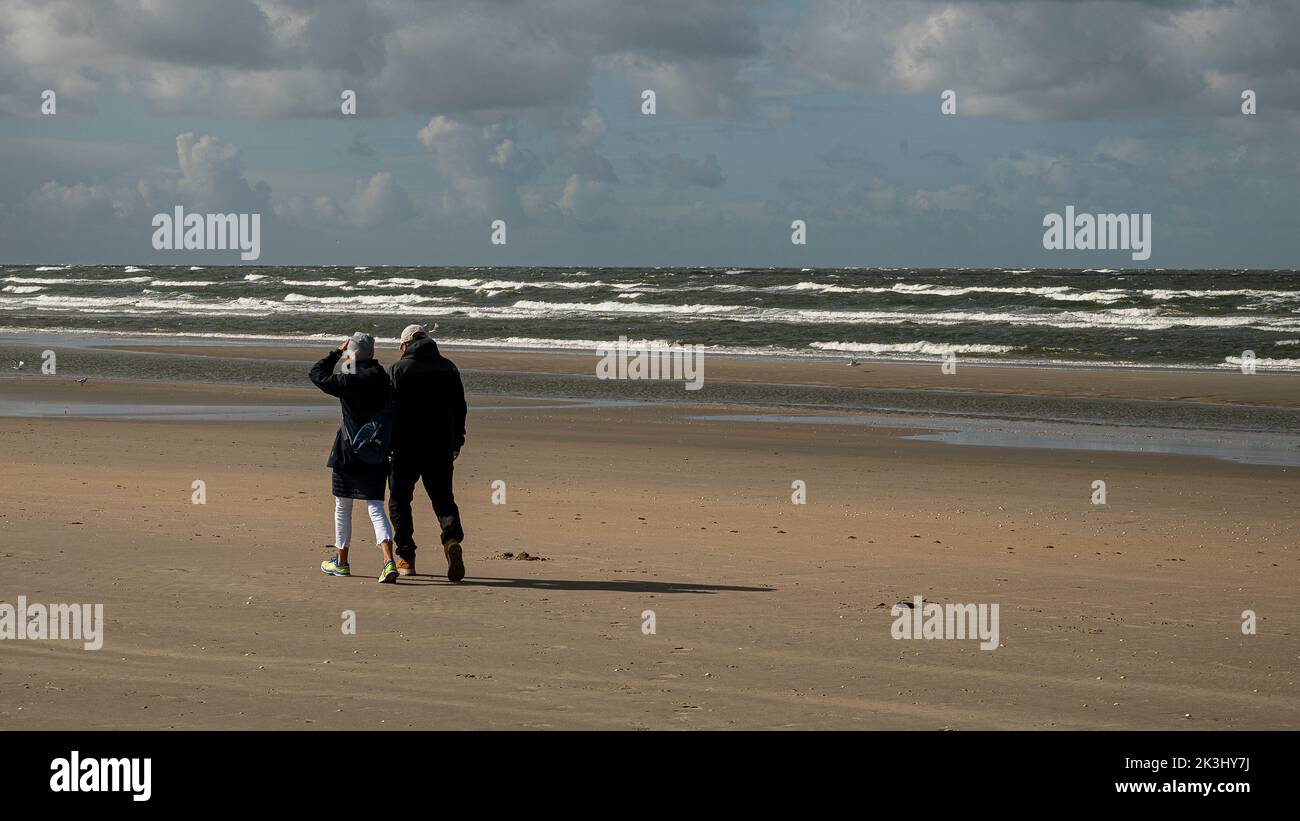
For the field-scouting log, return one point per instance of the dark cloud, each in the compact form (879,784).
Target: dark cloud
(208,33)
(593,166)
(284,58)
(1055,59)
(677,171)
(706,172)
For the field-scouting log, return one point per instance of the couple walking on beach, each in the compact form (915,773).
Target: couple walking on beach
(395,431)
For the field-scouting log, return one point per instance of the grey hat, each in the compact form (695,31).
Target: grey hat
(362,346)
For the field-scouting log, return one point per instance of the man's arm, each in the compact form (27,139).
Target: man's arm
(458,411)
(395,381)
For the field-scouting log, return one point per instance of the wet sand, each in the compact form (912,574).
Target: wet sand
(1227,386)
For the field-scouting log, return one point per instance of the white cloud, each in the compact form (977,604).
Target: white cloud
(484,165)
(586,200)
(73,203)
(380,201)
(212,177)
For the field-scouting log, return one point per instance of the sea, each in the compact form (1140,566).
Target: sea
(1201,319)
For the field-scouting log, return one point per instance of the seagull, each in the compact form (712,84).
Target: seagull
(853,363)
(82,380)
(19,366)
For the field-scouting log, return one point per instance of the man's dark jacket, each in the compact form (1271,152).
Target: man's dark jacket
(430,401)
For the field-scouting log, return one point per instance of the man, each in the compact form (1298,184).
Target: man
(427,437)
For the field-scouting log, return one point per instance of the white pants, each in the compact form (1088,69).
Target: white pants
(343,521)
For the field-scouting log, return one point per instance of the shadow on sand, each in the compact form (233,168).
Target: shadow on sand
(589,585)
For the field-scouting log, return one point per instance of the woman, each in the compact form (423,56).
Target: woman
(362,387)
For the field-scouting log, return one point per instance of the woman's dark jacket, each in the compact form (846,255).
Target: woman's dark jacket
(361,395)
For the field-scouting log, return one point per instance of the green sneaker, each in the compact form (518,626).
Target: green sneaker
(389,574)
(333,568)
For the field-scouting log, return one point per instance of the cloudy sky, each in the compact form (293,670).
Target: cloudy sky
(766,112)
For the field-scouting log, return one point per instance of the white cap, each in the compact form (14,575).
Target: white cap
(411,332)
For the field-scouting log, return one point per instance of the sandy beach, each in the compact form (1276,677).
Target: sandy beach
(768,614)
